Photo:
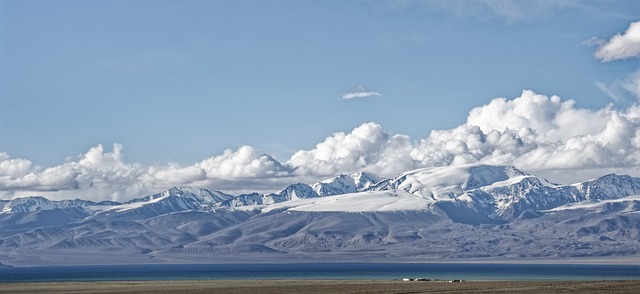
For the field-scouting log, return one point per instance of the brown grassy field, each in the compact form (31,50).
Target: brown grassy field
(313,286)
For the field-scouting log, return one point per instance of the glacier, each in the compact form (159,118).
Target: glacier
(472,212)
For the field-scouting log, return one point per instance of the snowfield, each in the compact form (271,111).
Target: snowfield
(632,204)
(357,202)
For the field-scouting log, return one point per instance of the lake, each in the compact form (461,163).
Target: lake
(321,271)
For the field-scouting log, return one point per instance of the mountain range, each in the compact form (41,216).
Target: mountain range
(453,213)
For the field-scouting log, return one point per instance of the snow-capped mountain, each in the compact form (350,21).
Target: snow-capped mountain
(29,204)
(251,199)
(344,184)
(442,183)
(609,187)
(291,192)
(201,195)
(467,211)
(36,203)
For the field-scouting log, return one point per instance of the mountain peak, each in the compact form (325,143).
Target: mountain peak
(365,180)
(610,186)
(29,204)
(182,191)
(484,175)
(449,182)
(292,192)
(344,183)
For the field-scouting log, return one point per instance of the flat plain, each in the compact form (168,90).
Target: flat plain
(323,286)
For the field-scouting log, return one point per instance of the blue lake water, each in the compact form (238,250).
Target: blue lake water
(377,271)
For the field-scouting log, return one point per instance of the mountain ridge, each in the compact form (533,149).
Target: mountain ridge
(459,212)
(501,191)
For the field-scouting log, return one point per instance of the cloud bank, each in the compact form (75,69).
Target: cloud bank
(534,132)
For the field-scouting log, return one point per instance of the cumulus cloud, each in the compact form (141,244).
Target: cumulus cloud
(359,91)
(246,162)
(103,175)
(537,133)
(342,152)
(549,117)
(620,46)
(96,171)
(13,167)
(534,132)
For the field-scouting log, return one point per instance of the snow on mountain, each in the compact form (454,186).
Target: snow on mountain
(28,204)
(365,180)
(201,195)
(250,199)
(610,186)
(357,202)
(291,192)
(37,203)
(447,183)
(508,199)
(173,200)
(465,211)
(630,204)
(344,184)
(39,212)
(502,192)
(498,191)
(341,184)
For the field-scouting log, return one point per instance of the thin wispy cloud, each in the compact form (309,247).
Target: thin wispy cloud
(626,90)
(509,10)
(359,91)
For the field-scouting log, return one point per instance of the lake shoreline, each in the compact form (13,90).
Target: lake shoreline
(322,286)
(322,271)
(627,260)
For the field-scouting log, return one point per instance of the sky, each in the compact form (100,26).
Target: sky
(111,100)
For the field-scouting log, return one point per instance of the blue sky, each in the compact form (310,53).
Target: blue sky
(177,82)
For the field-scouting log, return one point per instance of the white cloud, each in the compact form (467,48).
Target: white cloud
(534,132)
(359,91)
(175,174)
(537,133)
(246,162)
(101,175)
(620,46)
(95,172)
(13,167)
(342,152)
(551,118)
